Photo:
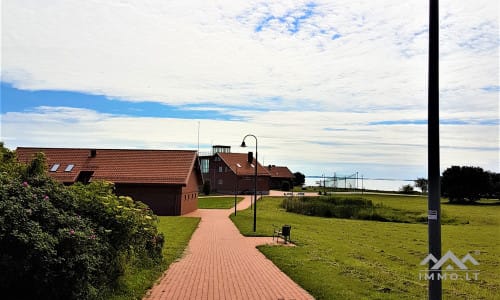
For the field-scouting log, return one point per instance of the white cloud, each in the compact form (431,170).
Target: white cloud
(200,51)
(209,53)
(297,139)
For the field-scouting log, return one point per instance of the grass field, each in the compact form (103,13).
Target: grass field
(352,259)
(217,202)
(136,281)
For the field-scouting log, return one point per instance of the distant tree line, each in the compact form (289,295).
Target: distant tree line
(464,184)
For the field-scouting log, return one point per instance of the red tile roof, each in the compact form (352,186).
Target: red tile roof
(240,161)
(281,172)
(118,165)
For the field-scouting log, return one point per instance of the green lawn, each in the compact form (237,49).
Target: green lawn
(217,202)
(136,281)
(351,259)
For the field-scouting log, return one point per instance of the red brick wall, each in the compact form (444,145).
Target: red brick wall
(164,200)
(224,182)
(189,201)
(276,183)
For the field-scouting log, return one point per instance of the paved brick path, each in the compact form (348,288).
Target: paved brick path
(220,263)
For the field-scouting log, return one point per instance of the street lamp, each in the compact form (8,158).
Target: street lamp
(255,181)
(236,189)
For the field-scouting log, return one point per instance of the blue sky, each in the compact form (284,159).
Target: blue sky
(328,87)
(18,100)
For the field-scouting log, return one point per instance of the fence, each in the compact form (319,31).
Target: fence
(341,182)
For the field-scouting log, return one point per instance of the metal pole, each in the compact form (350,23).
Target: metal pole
(356,181)
(434,205)
(362,184)
(255,189)
(236,191)
(251,203)
(255,179)
(324,185)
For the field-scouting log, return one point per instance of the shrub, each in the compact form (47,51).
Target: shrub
(327,206)
(130,226)
(45,246)
(406,189)
(352,208)
(68,243)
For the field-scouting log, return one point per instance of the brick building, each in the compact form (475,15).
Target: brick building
(281,177)
(167,181)
(232,172)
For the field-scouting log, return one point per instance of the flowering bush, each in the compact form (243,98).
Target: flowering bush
(67,243)
(44,246)
(129,226)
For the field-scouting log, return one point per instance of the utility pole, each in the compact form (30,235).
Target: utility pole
(434,204)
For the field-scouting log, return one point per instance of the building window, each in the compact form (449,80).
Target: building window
(54,167)
(219,181)
(204,165)
(220,169)
(85,176)
(69,168)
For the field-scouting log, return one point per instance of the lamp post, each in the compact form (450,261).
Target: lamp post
(236,190)
(255,181)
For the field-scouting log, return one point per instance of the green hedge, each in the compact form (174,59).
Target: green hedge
(349,208)
(329,207)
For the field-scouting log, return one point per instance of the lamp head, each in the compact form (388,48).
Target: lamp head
(243,144)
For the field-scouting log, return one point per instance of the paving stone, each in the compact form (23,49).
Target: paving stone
(220,263)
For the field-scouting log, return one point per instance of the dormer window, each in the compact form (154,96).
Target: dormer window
(85,176)
(54,167)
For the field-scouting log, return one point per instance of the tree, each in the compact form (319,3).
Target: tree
(8,162)
(465,184)
(406,189)
(494,191)
(422,183)
(298,179)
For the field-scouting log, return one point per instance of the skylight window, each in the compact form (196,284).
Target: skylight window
(54,167)
(69,168)
(252,165)
(238,165)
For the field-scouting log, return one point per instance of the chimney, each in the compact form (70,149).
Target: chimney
(250,157)
(93,153)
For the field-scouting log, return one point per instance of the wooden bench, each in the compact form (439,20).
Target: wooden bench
(283,232)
